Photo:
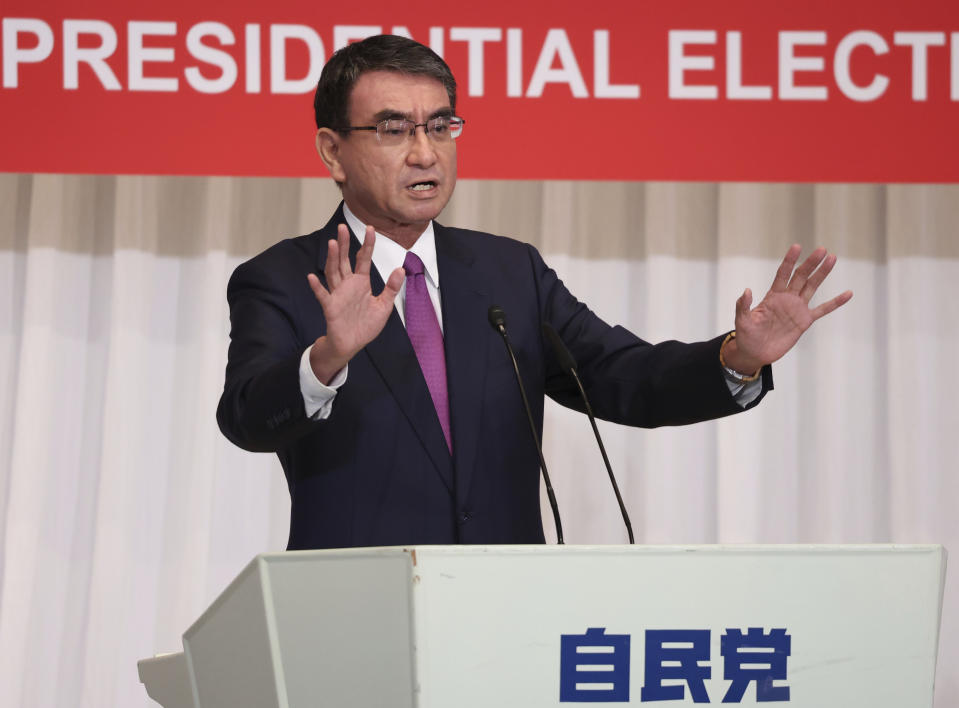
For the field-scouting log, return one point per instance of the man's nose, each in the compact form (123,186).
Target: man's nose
(422,148)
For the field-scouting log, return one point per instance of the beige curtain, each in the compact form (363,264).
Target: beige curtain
(123,511)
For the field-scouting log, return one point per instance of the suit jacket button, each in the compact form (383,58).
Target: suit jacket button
(465,516)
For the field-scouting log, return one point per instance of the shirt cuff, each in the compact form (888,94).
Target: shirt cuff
(317,396)
(743,392)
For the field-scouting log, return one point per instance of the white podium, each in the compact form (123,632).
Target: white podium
(528,626)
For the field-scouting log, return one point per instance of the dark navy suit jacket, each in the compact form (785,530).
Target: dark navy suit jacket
(378,471)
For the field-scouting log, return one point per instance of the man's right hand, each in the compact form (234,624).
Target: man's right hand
(354,317)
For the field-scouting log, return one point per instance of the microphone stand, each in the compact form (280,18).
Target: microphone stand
(497,318)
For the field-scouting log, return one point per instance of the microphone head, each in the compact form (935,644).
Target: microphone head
(497,318)
(566,361)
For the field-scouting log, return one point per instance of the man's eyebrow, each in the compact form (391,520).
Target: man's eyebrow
(393,114)
(390,114)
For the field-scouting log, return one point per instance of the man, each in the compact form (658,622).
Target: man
(392,404)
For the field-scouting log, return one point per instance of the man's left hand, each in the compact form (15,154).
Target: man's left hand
(769,330)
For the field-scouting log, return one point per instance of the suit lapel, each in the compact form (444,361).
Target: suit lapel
(465,306)
(393,357)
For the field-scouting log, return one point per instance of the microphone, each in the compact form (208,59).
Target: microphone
(568,364)
(497,318)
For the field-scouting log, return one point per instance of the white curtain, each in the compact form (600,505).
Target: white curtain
(123,511)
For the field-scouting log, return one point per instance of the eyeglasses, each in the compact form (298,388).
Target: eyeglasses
(396,131)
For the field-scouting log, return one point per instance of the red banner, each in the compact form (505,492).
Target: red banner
(857,90)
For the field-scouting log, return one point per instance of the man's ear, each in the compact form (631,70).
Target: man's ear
(328,147)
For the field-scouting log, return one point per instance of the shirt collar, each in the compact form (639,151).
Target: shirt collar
(389,255)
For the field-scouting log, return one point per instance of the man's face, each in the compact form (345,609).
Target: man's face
(396,189)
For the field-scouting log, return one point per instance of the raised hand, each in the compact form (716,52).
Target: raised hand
(354,316)
(769,330)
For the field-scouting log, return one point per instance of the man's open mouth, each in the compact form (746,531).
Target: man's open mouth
(422,186)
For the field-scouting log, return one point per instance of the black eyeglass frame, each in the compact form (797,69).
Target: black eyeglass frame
(425,126)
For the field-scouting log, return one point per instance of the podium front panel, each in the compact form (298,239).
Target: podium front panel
(855,627)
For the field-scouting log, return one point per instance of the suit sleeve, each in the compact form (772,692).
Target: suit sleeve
(261,408)
(627,379)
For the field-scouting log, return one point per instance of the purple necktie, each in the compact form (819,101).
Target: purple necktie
(424,332)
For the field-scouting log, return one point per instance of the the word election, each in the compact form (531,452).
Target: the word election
(594,666)
(211,57)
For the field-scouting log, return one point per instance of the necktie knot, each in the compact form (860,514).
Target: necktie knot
(413,265)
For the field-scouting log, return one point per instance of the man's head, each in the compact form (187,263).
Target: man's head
(395,183)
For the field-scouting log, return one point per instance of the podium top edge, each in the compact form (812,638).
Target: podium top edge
(602,550)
